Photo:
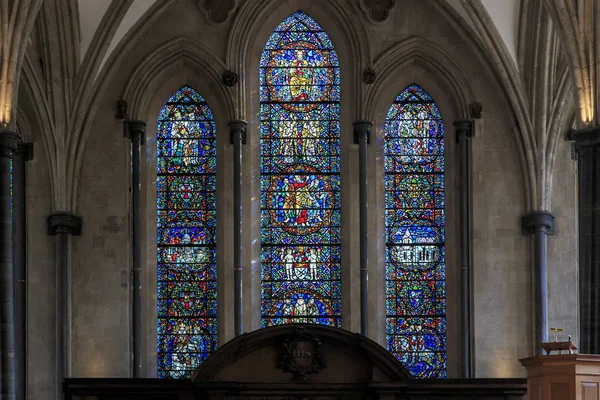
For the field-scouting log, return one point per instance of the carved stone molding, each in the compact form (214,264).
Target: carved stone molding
(64,222)
(217,11)
(378,10)
(464,127)
(537,219)
(229,78)
(8,142)
(476,110)
(362,127)
(369,76)
(585,139)
(24,151)
(135,129)
(121,109)
(237,125)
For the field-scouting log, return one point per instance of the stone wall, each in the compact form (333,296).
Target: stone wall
(41,336)
(502,284)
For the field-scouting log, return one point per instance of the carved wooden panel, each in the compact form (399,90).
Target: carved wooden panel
(589,391)
(559,391)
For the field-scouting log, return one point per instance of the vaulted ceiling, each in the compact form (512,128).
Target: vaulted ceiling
(503,13)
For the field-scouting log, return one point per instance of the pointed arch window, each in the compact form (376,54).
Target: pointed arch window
(186,204)
(415,223)
(300,175)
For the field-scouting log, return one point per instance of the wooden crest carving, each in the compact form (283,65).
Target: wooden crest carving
(302,353)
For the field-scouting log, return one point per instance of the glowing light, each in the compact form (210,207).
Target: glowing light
(300,181)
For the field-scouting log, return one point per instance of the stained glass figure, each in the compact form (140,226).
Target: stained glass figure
(300,181)
(187,285)
(415,257)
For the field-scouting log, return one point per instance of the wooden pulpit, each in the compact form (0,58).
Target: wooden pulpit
(563,377)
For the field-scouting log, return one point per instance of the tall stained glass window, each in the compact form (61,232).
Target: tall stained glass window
(415,256)
(300,181)
(187,287)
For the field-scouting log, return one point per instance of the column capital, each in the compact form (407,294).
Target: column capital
(64,222)
(24,151)
(237,126)
(537,219)
(135,129)
(362,127)
(585,138)
(464,128)
(8,142)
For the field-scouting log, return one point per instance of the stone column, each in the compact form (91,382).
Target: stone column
(540,224)
(62,225)
(23,154)
(464,130)
(135,131)
(237,131)
(362,137)
(8,367)
(587,148)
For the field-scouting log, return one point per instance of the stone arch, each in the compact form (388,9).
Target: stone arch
(173,64)
(156,66)
(414,60)
(430,56)
(253,25)
(255,21)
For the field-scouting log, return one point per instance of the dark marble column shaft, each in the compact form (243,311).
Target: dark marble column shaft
(464,130)
(587,149)
(135,131)
(362,134)
(237,130)
(8,365)
(540,224)
(62,225)
(23,154)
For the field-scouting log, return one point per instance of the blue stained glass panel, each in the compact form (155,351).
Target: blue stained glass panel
(186,205)
(415,234)
(300,184)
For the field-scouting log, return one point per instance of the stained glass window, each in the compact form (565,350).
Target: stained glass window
(415,255)
(187,287)
(300,181)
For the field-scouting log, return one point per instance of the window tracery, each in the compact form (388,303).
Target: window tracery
(300,181)
(415,231)
(186,206)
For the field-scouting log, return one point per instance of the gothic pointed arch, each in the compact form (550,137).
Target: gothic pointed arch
(415,233)
(186,207)
(300,175)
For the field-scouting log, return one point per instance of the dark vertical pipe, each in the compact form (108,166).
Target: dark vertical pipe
(19,210)
(8,371)
(540,240)
(362,130)
(593,242)
(62,315)
(237,130)
(540,224)
(136,130)
(464,130)
(584,189)
(62,225)
(587,151)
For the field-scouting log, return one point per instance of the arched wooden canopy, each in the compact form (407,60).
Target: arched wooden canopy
(301,353)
